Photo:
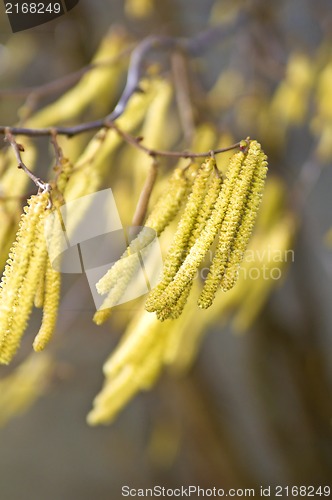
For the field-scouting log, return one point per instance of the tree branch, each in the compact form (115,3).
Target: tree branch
(137,143)
(192,46)
(63,83)
(18,148)
(143,201)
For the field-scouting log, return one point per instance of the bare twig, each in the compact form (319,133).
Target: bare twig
(143,201)
(18,148)
(63,83)
(192,46)
(137,143)
(57,150)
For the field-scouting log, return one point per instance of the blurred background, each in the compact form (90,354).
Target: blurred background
(254,408)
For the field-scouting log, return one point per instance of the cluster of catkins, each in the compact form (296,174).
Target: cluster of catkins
(28,280)
(214,210)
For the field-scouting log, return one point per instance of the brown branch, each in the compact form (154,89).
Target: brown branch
(57,150)
(133,141)
(192,46)
(144,198)
(63,83)
(18,148)
(137,143)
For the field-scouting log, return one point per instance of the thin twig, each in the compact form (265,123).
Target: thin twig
(137,143)
(18,148)
(57,150)
(144,198)
(63,83)
(192,46)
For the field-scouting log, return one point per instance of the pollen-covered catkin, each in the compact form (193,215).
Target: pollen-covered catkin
(246,226)
(237,224)
(189,267)
(21,276)
(134,366)
(172,199)
(178,249)
(50,308)
(131,265)
(203,215)
(40,291)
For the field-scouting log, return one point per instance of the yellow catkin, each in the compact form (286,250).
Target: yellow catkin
(321,124)
(139,9)
(20,389)
(289,103)
(40,291)
(134,367)
(21,277)
(148,372)
(50,310)
(130,266)
(143,331)
(172,199)
(23,306)
(189,267)
(19,256)
(96,88)
(204,214)
(65,170)
(113,397)
(250,178)
(13,183)
(328,238)
(153,131)
(246,226)
(279,240)
(268,252)
(101,316)
(178,249)
(121,272)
